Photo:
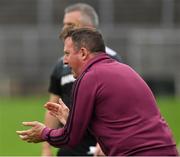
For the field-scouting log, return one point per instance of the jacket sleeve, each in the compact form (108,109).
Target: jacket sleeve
(80,115)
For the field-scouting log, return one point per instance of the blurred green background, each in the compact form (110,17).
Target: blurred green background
(17,109)
(13,111)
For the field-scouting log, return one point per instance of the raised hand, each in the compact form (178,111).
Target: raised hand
(59,111)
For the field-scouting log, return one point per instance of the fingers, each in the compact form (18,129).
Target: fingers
(25,137)
(62,103)
(28,138)
(59,111)
(63,106)
(33,134)
(53,114)
(32,124)
(52,106)
(23,133)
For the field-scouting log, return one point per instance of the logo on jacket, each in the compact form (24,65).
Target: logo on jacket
(67,79)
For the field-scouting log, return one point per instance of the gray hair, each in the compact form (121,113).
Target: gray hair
(89,15)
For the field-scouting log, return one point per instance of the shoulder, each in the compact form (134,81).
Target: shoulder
(89,80)
(113,54)
(90,75)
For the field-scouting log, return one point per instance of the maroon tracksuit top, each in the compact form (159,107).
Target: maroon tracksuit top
(116,105)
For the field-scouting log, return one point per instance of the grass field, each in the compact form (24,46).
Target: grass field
(15,110)
(12,112)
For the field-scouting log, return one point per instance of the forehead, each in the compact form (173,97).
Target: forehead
(72,17)
(68,43)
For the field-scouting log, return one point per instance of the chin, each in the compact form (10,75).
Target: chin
(74,74)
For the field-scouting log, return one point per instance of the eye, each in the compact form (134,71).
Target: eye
(66,53)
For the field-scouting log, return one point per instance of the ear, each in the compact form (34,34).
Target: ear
(84,53)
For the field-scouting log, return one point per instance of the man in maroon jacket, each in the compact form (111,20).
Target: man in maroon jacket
(110,99)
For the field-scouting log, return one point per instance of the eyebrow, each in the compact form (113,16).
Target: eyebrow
(66,52)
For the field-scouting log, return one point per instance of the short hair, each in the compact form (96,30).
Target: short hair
(89,15)
(89,38)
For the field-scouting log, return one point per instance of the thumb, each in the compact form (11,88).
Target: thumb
(61,102)
(64,106)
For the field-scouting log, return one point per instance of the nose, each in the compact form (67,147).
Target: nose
(65,60)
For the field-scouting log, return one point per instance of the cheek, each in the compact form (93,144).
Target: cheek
(76,62)
(72,60)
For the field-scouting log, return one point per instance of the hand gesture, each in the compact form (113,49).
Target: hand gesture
(60,111)
(33,134)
